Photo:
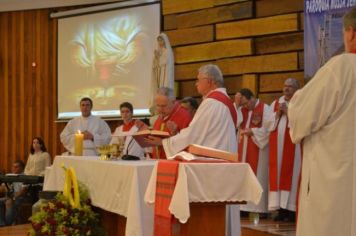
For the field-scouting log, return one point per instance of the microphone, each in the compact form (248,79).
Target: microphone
(128,157)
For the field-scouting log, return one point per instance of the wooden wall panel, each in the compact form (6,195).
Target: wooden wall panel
(224,2)
(301,60)
(277,7)
(187,88)
(214,15)
(170,22)
(260,26)
(187,71)
(201,34)
(269,97)
(174,6)
(213,51)
(235,83)
(259,64)
(279,43)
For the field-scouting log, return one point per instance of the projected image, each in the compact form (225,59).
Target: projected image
(107,57)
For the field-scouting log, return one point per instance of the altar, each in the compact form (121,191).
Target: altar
(127,189)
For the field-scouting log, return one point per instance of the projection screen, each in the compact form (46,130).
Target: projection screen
(107,56)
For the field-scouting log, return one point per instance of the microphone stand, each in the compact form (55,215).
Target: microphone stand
(128,157)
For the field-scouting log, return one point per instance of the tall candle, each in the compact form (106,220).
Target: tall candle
(78,144)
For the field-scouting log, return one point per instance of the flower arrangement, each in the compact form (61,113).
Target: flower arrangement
(65,216)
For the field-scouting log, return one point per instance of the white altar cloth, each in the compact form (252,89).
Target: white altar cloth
(208,182)
(115,186)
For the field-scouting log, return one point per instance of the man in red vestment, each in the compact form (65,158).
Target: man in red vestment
(172,117)
(253,142)
(284,157)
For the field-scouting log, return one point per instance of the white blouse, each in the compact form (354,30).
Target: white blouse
(37,163)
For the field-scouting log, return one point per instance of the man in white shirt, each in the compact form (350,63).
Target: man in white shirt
(323,115)
(96,131)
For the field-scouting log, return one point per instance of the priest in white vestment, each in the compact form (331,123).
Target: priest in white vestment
(323,116)
(213,126)
(96,131)
(253,143)
(284,157)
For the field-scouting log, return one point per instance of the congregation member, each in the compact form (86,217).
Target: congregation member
(253,143)
(38,158)
(14,196)
(213,126)
(284,157)
(322,115)
(95,130)
(191,104)
(129,126)
(172,117)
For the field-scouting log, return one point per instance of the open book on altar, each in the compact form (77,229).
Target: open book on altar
(198,152)
(140,136)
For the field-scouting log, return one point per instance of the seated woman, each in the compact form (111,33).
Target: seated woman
(129,126)
(38,159)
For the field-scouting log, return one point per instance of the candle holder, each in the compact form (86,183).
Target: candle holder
(104,152)
(110,152)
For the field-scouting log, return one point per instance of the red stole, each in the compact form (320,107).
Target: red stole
(252,152)
(288,155)
(180,116)
(128,126)
(219,96)
(167,173)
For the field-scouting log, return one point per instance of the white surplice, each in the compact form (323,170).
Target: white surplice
(260,138)
(96,126)
(283,199)
(323,115)
(212,126)
(131,147)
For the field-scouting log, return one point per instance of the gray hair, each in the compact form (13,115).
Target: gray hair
(214,73)
(349,19)
(295,82)
(168,92)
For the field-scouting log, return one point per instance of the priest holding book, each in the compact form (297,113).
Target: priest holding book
(172,117)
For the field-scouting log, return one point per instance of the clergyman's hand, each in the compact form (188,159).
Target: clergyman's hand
(88,135)
(247,132)
(172,127)
(153,140)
